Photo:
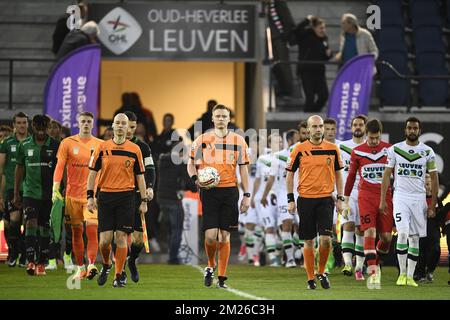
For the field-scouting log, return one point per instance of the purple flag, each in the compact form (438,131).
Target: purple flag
(73,87)
(350,94)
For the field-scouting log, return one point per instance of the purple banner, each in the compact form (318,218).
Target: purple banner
(350,94)
(73,87)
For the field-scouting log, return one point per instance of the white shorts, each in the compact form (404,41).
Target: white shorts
(283,213)
(354,210)
(410,215)
(251,216)
(268,214)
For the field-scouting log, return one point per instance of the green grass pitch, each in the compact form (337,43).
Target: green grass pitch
(183,282)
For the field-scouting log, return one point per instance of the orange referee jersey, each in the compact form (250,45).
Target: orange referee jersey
(119,163)
(317,165)
(224,154)
(76,153)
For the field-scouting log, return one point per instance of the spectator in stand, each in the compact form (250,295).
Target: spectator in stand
(173,180)
(107,134)
(148,115)
(132,102)
(281,25)
(77,38)
(205,120)
(429,246)
(164,140)
(354,40)
(61,29)
(312,42)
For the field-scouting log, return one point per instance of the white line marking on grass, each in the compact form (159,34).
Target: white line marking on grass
(235,291)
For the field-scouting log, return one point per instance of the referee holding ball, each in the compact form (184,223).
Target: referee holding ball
(222,150)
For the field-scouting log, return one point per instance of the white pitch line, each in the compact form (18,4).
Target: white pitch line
(235,291)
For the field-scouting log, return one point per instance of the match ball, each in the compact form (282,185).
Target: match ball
(208,177)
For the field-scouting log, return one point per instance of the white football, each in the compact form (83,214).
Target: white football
(208,177)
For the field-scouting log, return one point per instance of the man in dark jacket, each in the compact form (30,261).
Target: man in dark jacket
(173,178)
(313,45)
(78,38)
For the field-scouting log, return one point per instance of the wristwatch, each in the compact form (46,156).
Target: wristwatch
(342,198)
(247,194)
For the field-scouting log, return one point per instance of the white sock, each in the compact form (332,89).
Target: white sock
(348,246)
(259,236)
(359,252)
(271,246)
(288,245)
(250,243)
(413,254)
(402,251)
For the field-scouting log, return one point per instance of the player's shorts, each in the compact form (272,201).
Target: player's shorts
(316,216)
(220,208)
(269,213)
(76,212)
(37,209)
(116,211)
(9,205)
(252,216)
(410,215)
(283,213)
(353,215)
(369,213)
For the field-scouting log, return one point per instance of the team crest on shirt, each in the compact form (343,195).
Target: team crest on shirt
(30,152)
(49,153)
(232,157)
(76,150)
(127,163)
(13,148)
(328,161)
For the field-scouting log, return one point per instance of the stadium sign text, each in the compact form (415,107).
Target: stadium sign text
(176,31)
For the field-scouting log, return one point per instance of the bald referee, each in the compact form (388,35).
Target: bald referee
(120,161)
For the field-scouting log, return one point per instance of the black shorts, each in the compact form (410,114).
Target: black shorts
(220,208)
(9,204)
(316,216)
(116,211)
(37,209)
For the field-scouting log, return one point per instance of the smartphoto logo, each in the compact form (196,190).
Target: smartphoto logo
(373,21)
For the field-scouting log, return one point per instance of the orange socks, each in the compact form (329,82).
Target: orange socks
(78,244)
(92,245)
(323,258)
(308,254)
(211,253)
(224,255)
(121,256)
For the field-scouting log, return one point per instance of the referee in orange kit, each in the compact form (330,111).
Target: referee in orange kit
(223,150)
(319,164)
(119,161)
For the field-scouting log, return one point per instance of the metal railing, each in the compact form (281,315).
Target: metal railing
(379,63)
(11,62)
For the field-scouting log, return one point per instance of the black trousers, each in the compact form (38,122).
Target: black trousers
(429,249)
(283,71)
(314,85)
